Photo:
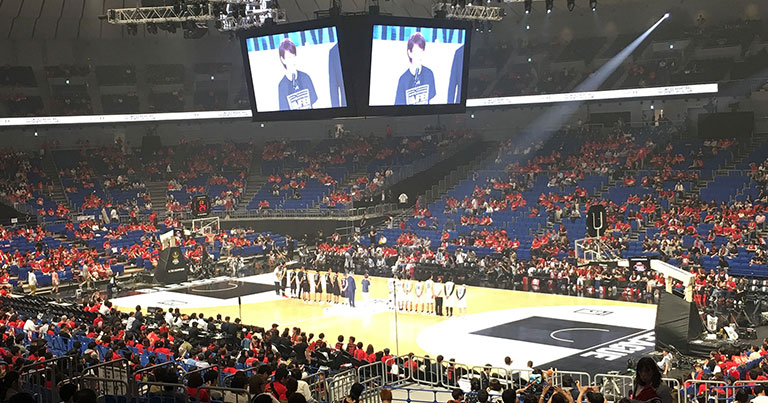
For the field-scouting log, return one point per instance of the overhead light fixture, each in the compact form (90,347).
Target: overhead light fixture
(527,5)
(593,5)
(550,4)
(571,5)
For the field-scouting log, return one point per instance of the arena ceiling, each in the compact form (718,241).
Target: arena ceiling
(79,19)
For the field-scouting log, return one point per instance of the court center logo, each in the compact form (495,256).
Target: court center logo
(569,337)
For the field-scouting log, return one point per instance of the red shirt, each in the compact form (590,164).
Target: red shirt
(200,394)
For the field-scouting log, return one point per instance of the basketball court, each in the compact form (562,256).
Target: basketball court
(569,333)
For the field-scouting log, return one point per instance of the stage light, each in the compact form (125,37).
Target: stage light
(549,4)
(593,5)
(571,5)
(527,27)
(152,28)
(666,16)
(527,5)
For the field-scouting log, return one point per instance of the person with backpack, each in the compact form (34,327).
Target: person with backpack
(277,387)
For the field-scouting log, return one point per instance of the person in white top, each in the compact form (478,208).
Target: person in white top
(278,278)
(32,280)
(29,327)
(418,296)
(429,295)
(759,391)
(303,386)
(450,296)
(55,282)
(461,298)
(105,308)
(408,294)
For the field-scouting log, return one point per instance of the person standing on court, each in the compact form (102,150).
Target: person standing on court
(366,284)
(278,277)
(350,289)
(439,291)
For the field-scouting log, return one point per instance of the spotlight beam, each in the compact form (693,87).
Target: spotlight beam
(605,71)
(541,129)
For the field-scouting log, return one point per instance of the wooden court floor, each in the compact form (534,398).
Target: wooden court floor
(397,331)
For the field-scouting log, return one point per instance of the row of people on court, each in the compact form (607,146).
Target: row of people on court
(404,294)
(428,296)
(310,285)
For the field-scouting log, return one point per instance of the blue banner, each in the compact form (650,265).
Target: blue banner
(431,35)
(299,38)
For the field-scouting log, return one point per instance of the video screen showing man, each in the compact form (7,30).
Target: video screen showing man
(417,85)
(295,90)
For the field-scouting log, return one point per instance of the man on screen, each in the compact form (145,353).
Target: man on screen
(295,90)
(417,85)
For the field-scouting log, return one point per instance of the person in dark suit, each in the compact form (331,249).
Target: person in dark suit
(454,83)
(350,290)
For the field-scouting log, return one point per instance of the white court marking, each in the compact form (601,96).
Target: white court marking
(552,335)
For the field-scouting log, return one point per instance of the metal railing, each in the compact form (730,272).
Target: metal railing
(103,386)
(702,389)
(117,369)
(41,377)
(338,386)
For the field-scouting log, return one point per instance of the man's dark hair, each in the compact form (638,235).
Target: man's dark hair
(482,396)
(239,380)
(757,389)
(457,394)
(509,396)
(742,396)
(264,369)
(356,390)
(281,373)
(22,397)
(67,391)
(286,45)
(297,398)
(211,376)
(416,39)
(595,397)
(85,396)
(559,398)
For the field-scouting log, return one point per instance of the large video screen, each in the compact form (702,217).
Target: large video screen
(412,65)
(296,71)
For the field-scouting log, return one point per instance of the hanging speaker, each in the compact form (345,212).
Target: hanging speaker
(596,221)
